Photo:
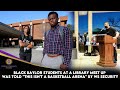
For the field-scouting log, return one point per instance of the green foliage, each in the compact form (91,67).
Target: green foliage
(70,27)
(41,44)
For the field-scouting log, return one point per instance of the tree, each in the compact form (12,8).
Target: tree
(114,22)
(71,28)
(98,31)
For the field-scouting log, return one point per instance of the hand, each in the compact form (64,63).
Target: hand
(63,67)
(26,44)
(115,39)
(97,44)
(29,46)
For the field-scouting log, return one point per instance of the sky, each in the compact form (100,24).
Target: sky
(98,20)
(9,17)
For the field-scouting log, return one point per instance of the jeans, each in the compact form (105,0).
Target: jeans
(115,55)
(118,46)
(26,56)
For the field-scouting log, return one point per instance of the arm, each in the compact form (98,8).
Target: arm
(21,43)
(117,35)
(30,45)
(68,48)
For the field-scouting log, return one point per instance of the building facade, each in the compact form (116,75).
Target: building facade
(38,27)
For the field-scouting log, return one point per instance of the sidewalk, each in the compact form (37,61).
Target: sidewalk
(91,62)
(80,63)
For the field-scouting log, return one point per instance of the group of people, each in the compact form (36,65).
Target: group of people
(57,45)
(57,50)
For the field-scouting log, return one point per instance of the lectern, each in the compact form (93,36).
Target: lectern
(106,50)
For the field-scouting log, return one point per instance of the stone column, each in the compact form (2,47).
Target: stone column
(89,30)
(31,27)
(76,31)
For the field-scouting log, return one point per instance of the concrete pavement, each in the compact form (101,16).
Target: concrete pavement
(90,62)
(80,63)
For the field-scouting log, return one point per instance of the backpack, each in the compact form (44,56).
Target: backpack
(61,32)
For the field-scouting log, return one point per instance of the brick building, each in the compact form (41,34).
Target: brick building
(38,27)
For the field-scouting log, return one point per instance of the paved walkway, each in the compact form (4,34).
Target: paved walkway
(80,63)
(90,62)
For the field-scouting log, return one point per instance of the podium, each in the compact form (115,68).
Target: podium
(106,50)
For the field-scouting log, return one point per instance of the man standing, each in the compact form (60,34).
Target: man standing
(57,48)
(26,44)
(112,32)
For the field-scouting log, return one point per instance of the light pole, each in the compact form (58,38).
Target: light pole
(31,28)
(20,26)
(10,25)
(59,21)
(10,39)
(43,30)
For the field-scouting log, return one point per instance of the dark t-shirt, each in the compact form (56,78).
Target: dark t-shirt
(27,39)
(111,32)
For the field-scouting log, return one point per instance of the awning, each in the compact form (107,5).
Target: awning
(8,32)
